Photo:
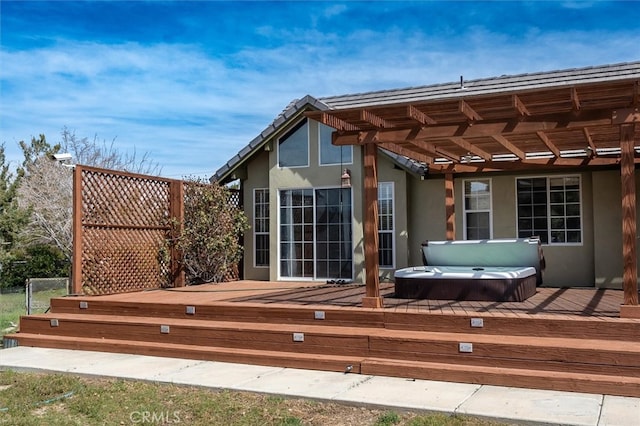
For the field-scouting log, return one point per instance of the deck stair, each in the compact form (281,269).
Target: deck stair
(588,354)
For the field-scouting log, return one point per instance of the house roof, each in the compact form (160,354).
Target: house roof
(476,121)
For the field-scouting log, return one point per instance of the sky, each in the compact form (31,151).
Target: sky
(191,83)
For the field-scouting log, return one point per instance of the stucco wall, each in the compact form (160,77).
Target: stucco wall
(607,213)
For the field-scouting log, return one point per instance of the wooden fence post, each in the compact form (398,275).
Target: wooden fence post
(176,213)
(76,252)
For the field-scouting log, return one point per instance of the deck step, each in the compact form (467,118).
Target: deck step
(223,311)
(540,325)
(176,350)
(492,375)
(500,376)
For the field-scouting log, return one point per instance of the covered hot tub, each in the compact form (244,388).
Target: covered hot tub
(498,270)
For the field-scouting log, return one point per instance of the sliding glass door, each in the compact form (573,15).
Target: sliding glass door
(315,234)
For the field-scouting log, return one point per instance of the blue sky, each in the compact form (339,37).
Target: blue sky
(191,83)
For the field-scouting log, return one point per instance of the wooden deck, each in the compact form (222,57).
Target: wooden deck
(565,339)
(567,302)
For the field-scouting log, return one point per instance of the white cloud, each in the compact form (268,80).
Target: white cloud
(194,111)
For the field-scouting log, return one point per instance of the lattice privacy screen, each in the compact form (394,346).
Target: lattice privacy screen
(121,221)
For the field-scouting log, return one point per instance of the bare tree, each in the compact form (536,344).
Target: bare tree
(46,192)
(92,152)
(46,186)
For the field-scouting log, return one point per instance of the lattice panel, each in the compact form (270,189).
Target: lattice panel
(124,200)
(123,260)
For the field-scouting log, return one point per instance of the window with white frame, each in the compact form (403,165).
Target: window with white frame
(477,209)
(549,207)
(330,153)
(385,225)
(261,226)
(293,147)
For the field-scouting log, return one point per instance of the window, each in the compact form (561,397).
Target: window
(329,153)
(477,209)
(385,225)
(261,226)
(315,233)
(293,147)
(549,207)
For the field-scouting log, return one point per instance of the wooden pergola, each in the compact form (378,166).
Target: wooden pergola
(569,125)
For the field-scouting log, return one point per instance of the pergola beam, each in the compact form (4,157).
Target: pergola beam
(374,120)
(467,111)
(509,146)
(545,140)
(519,106)
(335,122)
(462,143)
(575,99)
(419,116)
(592,147)
(507,127)
(400,150)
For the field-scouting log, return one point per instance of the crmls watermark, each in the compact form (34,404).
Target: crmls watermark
(155,417)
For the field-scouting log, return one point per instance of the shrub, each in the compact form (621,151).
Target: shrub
(211,230)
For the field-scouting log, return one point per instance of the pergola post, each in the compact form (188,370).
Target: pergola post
(630,306)
(372,298)
(449,205)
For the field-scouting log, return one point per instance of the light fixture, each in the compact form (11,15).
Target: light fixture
(61,157)
(345,179)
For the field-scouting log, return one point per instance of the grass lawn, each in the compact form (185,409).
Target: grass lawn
(55,399)
(12,305)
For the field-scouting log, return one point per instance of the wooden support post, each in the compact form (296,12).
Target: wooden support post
(450,209)
(176,213)
(629,226)
(372,298)
(76,255)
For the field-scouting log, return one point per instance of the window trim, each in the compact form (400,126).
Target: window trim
(341,163)
(464,206)
(392,231)
(256,233)
(295,127)
(548,194)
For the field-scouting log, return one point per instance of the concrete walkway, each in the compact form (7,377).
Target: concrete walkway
(500,403)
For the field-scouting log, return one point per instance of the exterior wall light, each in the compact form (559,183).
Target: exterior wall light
(345,179)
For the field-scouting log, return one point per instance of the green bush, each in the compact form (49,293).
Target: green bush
(41,261)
